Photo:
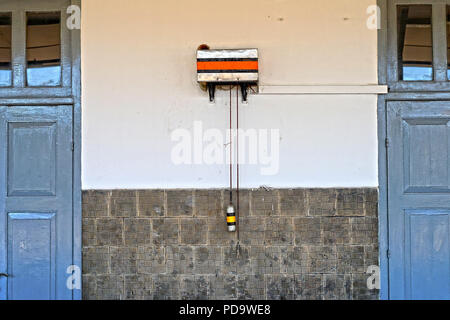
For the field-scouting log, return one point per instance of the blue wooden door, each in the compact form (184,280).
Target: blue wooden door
(35,202)
(419,199)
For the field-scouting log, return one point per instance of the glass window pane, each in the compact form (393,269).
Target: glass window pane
(448,42)
(5,50)
(44,49)
(415,42)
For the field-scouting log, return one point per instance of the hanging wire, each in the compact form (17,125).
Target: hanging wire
(231,149)
(237,171)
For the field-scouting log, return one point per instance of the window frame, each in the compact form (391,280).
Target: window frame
(19,88)
(440,80)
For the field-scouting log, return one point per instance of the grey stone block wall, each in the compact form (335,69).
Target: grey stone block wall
(173,244)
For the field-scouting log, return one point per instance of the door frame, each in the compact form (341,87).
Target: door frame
(399,91)
(77,205)
(64,95)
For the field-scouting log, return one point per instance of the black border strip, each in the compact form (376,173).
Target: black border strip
(225,59)
(227,71)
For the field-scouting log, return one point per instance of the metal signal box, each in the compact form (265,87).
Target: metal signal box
(234,67)
(227,66)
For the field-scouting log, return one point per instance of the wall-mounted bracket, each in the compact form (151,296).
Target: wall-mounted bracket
(212,91)
(244,90)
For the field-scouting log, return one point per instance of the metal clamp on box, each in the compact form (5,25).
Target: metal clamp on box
(227,67)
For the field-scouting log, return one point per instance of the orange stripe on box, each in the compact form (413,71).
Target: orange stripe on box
(227,65)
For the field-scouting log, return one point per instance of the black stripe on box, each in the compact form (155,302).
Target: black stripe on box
(226,59)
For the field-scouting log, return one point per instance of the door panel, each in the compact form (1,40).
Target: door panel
(36,192)
(31,256)
(29,175)
(419,199)
(427,235)
(426,155)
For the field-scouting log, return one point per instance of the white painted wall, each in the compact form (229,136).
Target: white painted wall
(138,65)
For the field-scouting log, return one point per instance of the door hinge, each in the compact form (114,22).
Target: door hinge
(73,146)
(388,253)
(386,142)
